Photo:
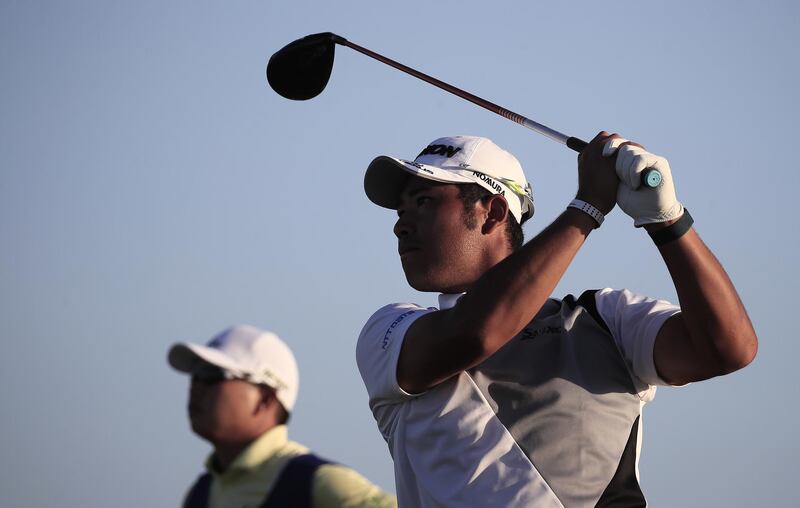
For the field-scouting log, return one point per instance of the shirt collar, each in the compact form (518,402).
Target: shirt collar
(448,301)
(266,445)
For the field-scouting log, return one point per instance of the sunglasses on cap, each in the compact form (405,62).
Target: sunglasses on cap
(211,374)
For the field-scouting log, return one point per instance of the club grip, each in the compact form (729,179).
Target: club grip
(576,144)
(651,177)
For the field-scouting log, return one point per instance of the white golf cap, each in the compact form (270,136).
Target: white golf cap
(260,357)
(456,159)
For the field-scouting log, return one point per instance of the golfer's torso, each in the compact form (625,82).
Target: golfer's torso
(546,421)
(562,389)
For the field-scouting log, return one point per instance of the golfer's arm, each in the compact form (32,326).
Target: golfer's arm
(712,335)
(441,344)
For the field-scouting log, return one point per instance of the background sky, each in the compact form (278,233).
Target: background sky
(153,188)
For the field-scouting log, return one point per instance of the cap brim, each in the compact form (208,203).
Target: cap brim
(387,176)
(186,357)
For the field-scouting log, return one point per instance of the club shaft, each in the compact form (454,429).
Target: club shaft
(570,141)
(514,117)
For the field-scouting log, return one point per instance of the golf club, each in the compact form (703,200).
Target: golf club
(301,70)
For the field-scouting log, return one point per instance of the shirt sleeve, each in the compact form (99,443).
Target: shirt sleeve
(337,486)
(634,321)
(377,354)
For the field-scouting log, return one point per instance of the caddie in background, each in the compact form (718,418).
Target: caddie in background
(504,396)
(243,388)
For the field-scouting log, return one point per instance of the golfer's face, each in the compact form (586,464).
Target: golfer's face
(435,245)
(222,410)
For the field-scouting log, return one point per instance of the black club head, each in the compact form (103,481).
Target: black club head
(301,69)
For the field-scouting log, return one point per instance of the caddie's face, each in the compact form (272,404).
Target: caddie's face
(223,410)
(437,249)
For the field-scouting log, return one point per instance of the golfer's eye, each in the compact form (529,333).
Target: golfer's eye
(422,200)
(208,375)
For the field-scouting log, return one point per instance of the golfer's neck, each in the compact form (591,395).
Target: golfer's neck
(226,453)
(486,264)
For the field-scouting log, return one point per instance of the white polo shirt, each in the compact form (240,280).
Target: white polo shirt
(549,420)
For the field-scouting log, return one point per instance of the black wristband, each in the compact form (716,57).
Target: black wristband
(673,231)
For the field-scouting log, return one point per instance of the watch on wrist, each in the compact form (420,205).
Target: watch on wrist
(674,231)
(589,210)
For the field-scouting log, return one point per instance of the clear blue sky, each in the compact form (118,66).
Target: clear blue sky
(153,188)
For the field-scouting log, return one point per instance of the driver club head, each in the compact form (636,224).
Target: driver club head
(301,69)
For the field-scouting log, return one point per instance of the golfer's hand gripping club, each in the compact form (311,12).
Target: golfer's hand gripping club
(650,177)
(643,205)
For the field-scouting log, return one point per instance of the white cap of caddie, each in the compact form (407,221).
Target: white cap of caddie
(258,356)
(455,159)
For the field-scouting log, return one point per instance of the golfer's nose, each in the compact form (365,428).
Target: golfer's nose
(403,226)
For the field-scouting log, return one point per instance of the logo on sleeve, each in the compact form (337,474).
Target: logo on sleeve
(387,337)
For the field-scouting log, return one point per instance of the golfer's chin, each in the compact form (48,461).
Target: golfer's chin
(421,285)
(201,428)
(426,281)
(416,278)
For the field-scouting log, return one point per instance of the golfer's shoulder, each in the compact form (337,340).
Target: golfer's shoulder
(590,298)
(388,321)
(611,306)
(391,316)
(593,301)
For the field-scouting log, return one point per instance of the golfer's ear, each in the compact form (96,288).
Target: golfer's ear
(267,396)
(496,212)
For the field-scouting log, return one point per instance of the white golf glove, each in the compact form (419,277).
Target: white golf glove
(644,204)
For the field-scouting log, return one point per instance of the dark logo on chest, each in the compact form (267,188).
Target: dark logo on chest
(532,333)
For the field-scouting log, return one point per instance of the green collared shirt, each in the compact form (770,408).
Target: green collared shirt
(250,478)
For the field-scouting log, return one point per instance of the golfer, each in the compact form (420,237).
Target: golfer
(244,386)
(504,396)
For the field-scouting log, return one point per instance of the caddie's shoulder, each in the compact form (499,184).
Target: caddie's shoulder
(336,485)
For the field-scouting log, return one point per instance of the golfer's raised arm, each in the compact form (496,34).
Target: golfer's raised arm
(712,335)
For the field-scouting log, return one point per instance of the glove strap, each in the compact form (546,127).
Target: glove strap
(673,231)
(588,209)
